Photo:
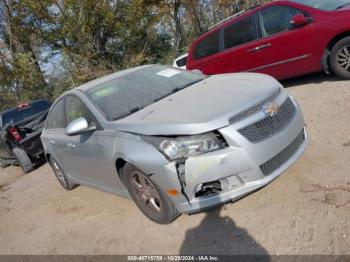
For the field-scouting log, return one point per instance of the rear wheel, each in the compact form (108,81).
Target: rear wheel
(23,160)
(340,58)
(61,176)
(149,198)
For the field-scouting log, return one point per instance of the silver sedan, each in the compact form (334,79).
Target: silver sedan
(172,140)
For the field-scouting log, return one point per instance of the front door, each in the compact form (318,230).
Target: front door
(84,156)
(287,51)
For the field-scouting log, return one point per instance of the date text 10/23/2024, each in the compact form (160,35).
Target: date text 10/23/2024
(173,258)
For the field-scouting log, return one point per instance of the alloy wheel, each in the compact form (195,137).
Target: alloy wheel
(145,192)
(343,58)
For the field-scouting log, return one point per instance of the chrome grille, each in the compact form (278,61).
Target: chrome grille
(277,161)
(270,125)
(255,108)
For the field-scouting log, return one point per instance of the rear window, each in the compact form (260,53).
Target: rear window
(181,62)
(18,114)
(208,46)
(39,106)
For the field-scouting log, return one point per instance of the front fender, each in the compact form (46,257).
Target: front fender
(138,153)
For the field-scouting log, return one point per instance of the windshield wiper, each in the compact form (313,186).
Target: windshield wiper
(342,6)
(135,109)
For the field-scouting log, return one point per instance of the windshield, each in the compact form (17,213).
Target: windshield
(17,114)
(131,92)
(326,5)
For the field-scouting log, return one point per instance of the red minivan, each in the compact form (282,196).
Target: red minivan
(283,39)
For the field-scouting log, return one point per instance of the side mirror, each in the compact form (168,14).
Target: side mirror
(299,20)
(78,126)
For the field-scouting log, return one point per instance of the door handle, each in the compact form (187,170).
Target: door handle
(72,146)
(258,48)
(264,46)
(52,142)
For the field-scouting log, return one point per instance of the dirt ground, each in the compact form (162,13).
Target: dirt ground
(305,211)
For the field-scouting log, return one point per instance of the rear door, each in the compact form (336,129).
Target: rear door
(229,49)
(286,50)
(205,55)
(239,40)
(53,136)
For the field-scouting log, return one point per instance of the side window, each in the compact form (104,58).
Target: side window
(277,19)
(208,46)
(240,33)
(56,119)
(75,108)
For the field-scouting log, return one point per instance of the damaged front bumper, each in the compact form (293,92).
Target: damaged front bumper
(226,175)
(235,185)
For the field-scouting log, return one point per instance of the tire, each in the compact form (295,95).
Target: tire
(148,196)
(61,176)
(23,160)
(340,58)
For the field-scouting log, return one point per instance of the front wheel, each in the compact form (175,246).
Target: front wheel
(340,58)
(148,197)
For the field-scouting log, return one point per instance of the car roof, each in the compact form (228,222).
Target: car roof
(107,78)
(181,56)
(241,15)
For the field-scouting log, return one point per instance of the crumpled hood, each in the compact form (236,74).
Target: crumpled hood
(202,107)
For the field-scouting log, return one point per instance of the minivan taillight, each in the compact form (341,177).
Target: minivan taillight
(13,131)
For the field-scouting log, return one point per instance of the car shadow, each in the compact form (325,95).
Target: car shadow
(219,235)
(316,78)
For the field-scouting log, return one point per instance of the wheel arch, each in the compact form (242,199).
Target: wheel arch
(139,154)
(119,165)
(122,160)
(337,38)
(47,156)
(330,45)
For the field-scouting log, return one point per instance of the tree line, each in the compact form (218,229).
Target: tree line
(49,46)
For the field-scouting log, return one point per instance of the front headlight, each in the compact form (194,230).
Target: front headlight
(182,147)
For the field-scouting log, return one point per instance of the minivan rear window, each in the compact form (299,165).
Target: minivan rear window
(182,62)
(239,33)
(208,46)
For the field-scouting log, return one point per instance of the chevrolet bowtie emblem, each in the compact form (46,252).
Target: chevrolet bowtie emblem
(271,109)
